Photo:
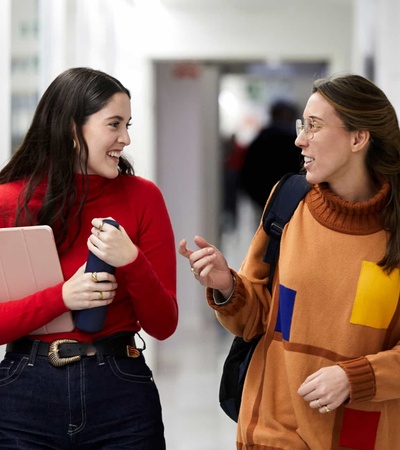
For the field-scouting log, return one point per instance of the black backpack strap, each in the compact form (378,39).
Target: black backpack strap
(288,193)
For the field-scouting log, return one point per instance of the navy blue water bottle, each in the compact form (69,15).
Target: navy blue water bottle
(92,320)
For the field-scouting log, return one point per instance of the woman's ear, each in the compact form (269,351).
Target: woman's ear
(360,140)
(74,138)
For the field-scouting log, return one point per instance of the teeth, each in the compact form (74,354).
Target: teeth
(114,154)
(307,159)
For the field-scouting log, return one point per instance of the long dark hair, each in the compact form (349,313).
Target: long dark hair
(48,149)
(361,105)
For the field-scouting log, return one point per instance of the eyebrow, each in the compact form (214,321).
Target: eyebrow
(316,118)
(120,118)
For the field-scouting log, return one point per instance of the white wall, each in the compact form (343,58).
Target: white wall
(188,168)
(293,31)
(5,82)
(386,49)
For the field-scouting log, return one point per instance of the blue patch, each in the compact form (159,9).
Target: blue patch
(285,312)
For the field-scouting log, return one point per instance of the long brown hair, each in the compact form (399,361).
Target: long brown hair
(361,105)
(48,149)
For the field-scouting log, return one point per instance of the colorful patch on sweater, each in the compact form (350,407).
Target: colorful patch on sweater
(285,312)
(359,429)
(376,297)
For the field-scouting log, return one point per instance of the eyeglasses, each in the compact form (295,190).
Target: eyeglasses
(309,127)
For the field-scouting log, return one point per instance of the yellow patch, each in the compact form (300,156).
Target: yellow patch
(376,297)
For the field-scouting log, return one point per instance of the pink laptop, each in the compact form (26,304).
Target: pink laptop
(29,263)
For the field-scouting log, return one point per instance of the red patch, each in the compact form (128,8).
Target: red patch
(359,429)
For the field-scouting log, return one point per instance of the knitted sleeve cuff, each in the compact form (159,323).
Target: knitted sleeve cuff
(361,378)
(236,302)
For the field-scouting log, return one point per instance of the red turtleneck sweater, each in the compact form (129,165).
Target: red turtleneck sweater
(146,295)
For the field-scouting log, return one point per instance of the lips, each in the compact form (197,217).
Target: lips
(308,160)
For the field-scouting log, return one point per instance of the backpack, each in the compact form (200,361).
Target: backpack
(288,193)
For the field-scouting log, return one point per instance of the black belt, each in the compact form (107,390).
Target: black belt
(65,351)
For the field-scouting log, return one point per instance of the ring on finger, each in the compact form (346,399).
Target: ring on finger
(318,403)
(100,227)
(94,277)
(327,410)
(101,296)
(193,271)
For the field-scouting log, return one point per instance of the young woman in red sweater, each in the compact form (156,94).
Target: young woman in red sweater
(70,173)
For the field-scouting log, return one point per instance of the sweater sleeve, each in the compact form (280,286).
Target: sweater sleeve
(151,278)
(361,378)
(20,317)
(246,314)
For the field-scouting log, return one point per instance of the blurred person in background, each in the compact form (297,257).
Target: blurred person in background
(234,155)
(270,155)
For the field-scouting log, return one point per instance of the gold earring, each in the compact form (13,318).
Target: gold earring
(74,143)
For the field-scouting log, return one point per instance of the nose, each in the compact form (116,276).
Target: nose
(301,140)
(124,137)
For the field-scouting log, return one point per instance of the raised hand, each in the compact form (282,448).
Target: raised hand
(208,265)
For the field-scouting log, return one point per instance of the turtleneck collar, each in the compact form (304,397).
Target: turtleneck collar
(97,184)
(347,217)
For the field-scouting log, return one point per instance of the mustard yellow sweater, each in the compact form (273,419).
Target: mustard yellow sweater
(330,304)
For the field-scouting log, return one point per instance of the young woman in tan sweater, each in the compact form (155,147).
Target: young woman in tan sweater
(325,374)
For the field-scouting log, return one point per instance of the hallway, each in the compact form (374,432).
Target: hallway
(189,367)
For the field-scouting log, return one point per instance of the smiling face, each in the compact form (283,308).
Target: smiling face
(333,154)
(106,135)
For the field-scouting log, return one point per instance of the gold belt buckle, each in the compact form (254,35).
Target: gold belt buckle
(132,352)
(53,356)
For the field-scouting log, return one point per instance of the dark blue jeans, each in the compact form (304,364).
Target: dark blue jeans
(94,404)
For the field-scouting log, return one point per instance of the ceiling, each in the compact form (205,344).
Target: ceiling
(246,5)
(202,5)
